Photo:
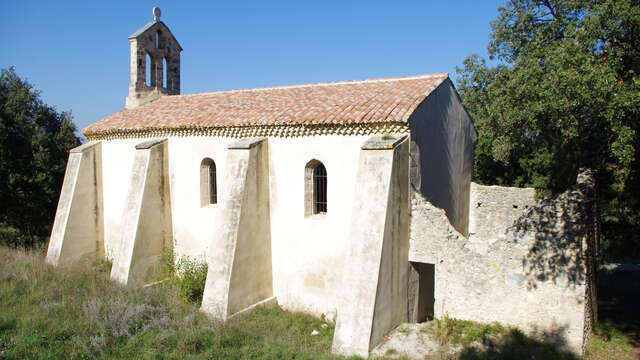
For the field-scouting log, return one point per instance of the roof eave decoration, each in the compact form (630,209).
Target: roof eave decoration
(361,129)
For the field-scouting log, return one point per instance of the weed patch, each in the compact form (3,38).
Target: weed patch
(188,274)
(190,277)
(462,332)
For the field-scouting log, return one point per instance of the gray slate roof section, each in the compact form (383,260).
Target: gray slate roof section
(383,142)
(149,26)
(143,29)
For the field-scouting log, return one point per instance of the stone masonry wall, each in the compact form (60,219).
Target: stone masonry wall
(524,263)
(156,42)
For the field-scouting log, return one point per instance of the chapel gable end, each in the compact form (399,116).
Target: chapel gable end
(155,63)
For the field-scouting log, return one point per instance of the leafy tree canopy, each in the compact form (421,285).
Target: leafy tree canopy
(34,143)
(562,93)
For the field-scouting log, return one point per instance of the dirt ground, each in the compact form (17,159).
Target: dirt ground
(407,340)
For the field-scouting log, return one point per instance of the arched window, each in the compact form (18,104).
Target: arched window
(165,82)
(208,184)
(149,79)
(158,33)
(315,186)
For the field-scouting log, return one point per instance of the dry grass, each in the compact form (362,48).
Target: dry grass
(49,313)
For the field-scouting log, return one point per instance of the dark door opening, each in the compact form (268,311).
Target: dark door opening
(424,300)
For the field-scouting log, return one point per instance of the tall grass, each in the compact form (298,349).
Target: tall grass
(80,313)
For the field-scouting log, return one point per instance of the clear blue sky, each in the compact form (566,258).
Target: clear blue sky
(77,52)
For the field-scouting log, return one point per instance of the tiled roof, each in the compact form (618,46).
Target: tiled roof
(351,102)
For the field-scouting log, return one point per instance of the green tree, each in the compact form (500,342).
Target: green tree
(563,92)
(34,144)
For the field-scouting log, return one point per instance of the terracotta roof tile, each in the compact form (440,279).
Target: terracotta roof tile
(349,102)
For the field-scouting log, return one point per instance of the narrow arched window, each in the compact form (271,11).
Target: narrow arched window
(315,178)
(208,184)
(320,189)
(148,65)
(158,33)
(165,78)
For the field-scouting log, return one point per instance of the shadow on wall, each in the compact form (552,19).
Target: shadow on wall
(516,345)
(442,145)
(561,233)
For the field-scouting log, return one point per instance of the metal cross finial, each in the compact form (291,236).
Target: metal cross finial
(156,13)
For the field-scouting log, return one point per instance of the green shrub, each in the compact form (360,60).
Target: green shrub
(188,274)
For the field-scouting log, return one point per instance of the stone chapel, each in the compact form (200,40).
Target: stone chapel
(350,199)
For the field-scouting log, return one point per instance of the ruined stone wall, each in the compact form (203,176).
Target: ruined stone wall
(524,263)
(493,208)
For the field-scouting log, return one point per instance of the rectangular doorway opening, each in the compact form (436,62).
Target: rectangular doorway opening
(424,295)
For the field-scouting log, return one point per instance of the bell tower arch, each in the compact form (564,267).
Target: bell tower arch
(152,48)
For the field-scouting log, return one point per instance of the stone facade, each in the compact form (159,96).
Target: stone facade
(525,263)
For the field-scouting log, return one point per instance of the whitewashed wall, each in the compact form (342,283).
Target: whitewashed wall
(193,225)
(117,162)
(308,252)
